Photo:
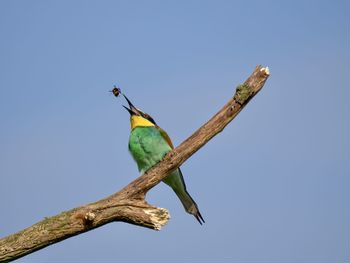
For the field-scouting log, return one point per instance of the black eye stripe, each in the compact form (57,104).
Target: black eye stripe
(151,120)
(146,116)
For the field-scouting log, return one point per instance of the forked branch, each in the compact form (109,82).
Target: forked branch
(129,204)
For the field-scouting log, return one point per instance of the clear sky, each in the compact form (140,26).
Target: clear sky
(272,187)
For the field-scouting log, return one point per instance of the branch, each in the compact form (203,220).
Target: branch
(129,204)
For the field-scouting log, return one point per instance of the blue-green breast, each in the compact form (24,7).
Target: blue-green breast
(147,146)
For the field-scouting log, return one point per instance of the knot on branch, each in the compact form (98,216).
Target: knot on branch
(89,217)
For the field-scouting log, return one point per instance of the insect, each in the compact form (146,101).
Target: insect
(116,91)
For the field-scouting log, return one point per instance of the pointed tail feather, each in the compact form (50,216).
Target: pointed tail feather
(176,181)
(190,205)
(199,217)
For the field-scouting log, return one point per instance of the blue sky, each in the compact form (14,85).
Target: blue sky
(272,187)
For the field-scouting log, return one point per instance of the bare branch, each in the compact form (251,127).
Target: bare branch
(129,205)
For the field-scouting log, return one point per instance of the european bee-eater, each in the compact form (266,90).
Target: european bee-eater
(148,144)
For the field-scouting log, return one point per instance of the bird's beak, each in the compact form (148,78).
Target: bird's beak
(132,109)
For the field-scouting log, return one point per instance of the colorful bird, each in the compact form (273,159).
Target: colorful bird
(148,144)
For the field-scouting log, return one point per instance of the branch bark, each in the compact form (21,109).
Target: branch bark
(129,204)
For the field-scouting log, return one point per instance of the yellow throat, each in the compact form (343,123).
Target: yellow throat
(138,121)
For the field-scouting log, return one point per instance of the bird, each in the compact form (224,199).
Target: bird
(148,144)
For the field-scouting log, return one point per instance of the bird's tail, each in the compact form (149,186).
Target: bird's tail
(190,205)
(176,182)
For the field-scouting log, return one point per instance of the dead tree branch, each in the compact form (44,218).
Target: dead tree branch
(129,204)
